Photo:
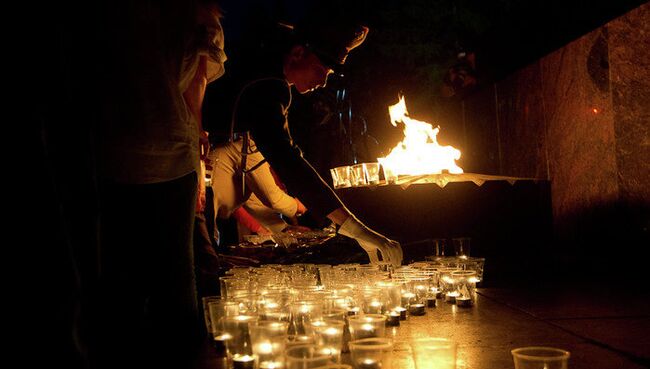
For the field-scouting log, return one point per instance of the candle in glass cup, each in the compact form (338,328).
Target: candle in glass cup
(417,309)
(407,298)
(243,362)
(329,336)
(463,301)
(402,312)
(375,307)
(431,302)
(450,297)
(368,364)
(219,342)
(371,353)
(393,319)
(270,365)
(367,326)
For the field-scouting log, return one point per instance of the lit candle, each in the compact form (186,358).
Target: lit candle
(417,309)
(375,307)
(243,362)
(264,348)
(431,302)
(451,297)
(406,298)
(402,312)
(270,365)
(220,343)
(463,301)
(393,319)
(368,364)
(366,331)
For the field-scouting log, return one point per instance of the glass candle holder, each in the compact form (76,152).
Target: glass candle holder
(439,353)
(334,314)
(268,339)
(372,173)
(540,358)
(237,329)
(465,282)
(328,335)
(219,309)
(206,311)
(300,339)
(302,314)
(373,301)
(343,176)
(439,247)
(392,319)
(390,176)
(274,307)
(306,356)
(358,175)
(393,294)
(447,281)
(335,178)
(477,265)
(408,298)
(367,326)
(371,353)
(417,309)
(243,361)
(462,247)
(420,286)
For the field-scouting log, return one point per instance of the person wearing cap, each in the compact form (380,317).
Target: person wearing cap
(303,58)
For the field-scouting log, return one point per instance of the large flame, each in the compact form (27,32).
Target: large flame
(419,152)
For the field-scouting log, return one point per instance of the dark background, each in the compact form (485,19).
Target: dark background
(410,49)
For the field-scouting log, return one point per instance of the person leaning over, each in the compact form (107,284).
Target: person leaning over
(303,57)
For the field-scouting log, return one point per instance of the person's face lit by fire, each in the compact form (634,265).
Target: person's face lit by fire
(304,70)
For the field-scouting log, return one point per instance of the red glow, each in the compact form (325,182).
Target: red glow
(595,110)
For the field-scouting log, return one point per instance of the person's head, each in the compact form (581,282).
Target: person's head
(318,50)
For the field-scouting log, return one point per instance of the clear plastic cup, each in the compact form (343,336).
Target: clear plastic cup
(540,358)
(372,173)
(371,353)
(432,352)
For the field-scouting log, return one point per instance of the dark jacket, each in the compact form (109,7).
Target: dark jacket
(261,110)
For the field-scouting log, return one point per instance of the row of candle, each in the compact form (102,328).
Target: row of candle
(317,304)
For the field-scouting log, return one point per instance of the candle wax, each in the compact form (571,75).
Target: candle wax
(368,364)
(243,362)
(431,302)
(402,313)
(417,309)
(393,319)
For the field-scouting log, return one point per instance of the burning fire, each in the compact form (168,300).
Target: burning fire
(419,153)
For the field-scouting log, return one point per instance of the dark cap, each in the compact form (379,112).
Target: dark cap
(331,41)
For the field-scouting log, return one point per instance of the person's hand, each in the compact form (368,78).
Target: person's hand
(302,209)
(372,241)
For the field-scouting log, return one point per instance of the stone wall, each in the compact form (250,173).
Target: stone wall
(579,117)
